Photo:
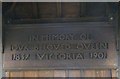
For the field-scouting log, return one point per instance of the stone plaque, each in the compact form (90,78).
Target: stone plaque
(60,46)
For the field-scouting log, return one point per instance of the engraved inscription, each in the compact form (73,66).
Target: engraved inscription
(50,37)
(20,56)
(60,56)
(98,55)
(83,45)
(34,44)
(46,46)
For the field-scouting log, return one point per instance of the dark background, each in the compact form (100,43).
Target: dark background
(44,12)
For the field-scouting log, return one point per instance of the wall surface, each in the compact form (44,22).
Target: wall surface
(25,12)
(119,39)
(0,39)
